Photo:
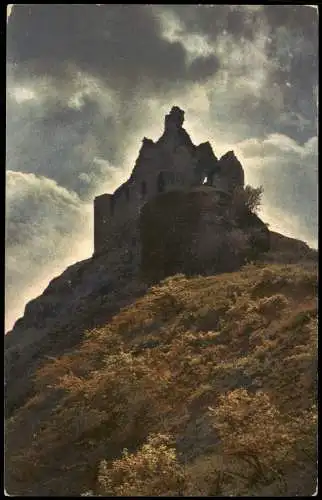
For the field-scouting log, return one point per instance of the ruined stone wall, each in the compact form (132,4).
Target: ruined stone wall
(183,219)
(102,221)
(173,163)
(198,235)
(230,171)
(156,172)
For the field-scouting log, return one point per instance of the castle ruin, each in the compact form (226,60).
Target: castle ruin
(170,164)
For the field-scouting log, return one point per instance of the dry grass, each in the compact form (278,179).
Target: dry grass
(243,344)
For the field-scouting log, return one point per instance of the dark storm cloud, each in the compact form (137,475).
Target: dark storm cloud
(294,47)
(290,36)
(121,44)
(243,21)
(238,21)
(299,19)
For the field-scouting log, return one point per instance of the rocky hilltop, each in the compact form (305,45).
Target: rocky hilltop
(108,332)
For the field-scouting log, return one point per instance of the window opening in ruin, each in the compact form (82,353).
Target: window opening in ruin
(143,189)
(160,183)
(205,180)
(127,193)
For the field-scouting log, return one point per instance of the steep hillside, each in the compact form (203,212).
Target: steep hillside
(85,295)
(209,383)
(288,250)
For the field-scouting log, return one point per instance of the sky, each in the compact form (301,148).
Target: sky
(86,83)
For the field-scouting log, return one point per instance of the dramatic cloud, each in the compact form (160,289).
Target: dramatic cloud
(271,49)
(85,83)
(120,44)
(61,140)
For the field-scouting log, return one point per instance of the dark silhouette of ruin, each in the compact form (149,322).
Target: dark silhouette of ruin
(170,164)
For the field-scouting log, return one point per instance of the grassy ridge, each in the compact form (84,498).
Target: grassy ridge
(204,386)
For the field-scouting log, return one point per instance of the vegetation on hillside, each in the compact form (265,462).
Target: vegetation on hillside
(204,386)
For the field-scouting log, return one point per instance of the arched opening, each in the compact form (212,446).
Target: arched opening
(205,180)
(143,189)
(160,183)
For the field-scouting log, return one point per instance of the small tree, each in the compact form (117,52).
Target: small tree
(253,197)
(248,198)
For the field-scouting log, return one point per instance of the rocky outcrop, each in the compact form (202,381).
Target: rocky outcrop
(282,243)
(289,250)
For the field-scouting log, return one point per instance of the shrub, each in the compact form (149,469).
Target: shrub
(267,274)
(272,304)
(152,470)
(253,429)
(166,305)
(173,279)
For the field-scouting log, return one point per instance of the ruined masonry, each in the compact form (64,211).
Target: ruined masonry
(173,163)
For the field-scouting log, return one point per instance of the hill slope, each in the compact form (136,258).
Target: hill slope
(209,382)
